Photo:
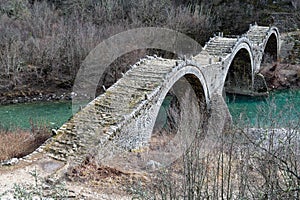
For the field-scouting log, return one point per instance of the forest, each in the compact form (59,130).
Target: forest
(43,43)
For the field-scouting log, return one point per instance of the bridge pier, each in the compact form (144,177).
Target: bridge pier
(259,85)
(220,118)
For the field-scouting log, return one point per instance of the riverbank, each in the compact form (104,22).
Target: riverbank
(243,162)
(280,76)
(34,94)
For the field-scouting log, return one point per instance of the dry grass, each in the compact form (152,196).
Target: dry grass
(19,143)
(243,163)
(42,45)
(104,179)
(237,168)
(90,170)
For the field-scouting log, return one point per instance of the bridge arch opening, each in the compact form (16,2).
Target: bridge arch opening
(239,76)
(181,116)
(270,53)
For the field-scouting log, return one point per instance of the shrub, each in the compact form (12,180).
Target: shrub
(245,163)
(45,43)
(18,143)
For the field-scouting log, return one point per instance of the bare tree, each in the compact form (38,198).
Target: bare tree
(295,4)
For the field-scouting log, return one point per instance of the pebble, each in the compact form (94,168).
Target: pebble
(39,97)
(10,162)
(152,164)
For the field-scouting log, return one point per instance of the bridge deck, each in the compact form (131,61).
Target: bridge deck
(100,121)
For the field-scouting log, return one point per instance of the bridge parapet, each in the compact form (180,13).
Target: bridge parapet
(260,36)
(220,46)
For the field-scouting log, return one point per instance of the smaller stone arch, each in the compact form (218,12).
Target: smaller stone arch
(141,125)
(178,124)
(270,47)
(194,76)
(239,68)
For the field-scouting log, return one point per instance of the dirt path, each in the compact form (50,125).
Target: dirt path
(50,174)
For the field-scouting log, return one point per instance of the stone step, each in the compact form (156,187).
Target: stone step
(152,70)
(136,87)
(154,76)
(118,90)
(218,53)
(220,46)
(145,85)
(219,49)
(222,43)
(158,67)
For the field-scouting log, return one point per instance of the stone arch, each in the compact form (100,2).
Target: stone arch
(186,89)
(239,68)
(271,46)
(191,114)
(192,76)
(140,127)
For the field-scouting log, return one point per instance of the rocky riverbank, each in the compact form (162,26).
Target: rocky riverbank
(282,76)
(14,97)
(278,76)
(286,73)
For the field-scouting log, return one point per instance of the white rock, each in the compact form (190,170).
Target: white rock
(152,164)
(12,161)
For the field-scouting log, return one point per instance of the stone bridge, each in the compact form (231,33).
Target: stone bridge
(124,116)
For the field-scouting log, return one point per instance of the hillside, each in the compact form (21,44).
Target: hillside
(43,43)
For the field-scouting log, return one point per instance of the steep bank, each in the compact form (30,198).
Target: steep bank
(282,76)
(286,73)
(33,94)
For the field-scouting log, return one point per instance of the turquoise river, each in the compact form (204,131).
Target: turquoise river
(279,108)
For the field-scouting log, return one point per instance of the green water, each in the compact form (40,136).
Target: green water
(280,108)
(51,114)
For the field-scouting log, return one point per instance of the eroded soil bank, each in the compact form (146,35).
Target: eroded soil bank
(282,76)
